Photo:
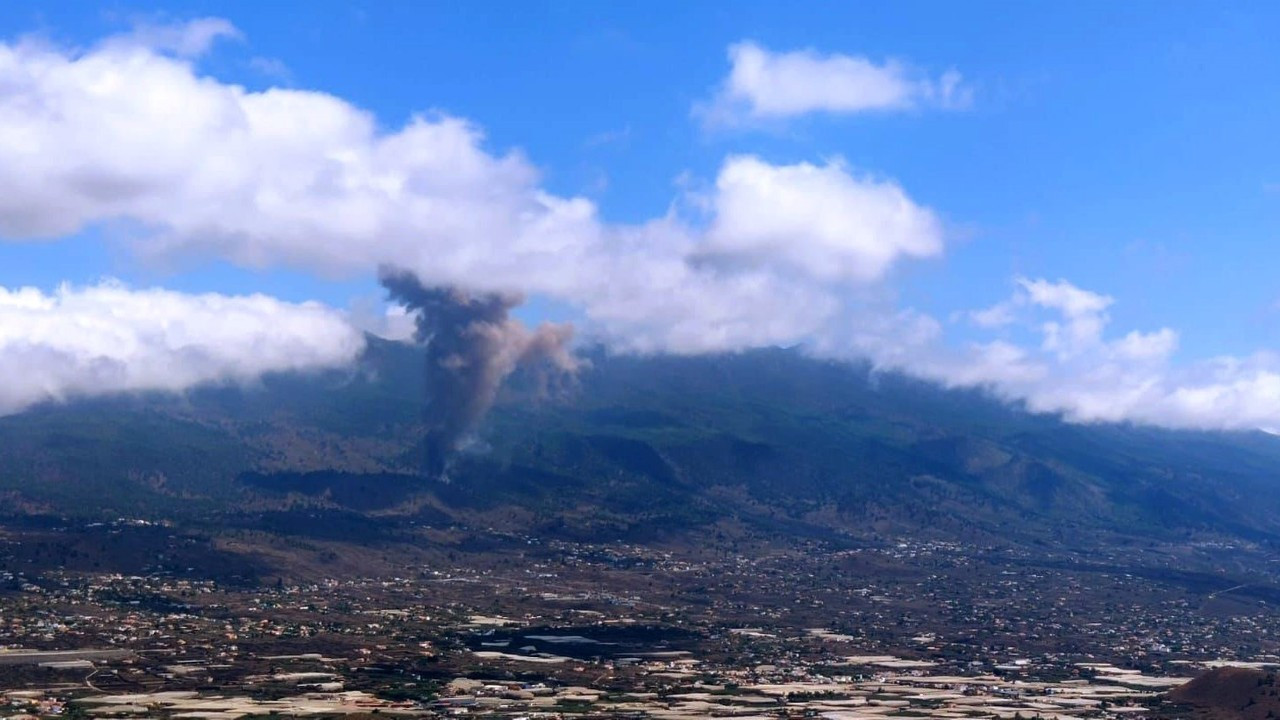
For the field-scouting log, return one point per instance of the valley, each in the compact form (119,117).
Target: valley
(750,536)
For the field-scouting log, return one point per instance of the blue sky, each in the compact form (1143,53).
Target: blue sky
(1126,148)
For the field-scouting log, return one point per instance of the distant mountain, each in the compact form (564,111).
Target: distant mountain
(767,442)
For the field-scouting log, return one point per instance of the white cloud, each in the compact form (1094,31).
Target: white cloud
(271,68)
(995,316)
(187,39)
(767,85)
(1062,295)
(1083,314)
(127,134)
(400,323)
(1077,369)
(105,339)
(821,221)
(1077,325)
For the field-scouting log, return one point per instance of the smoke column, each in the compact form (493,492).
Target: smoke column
(472,346)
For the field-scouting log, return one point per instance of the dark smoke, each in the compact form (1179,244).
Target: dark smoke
(472,346)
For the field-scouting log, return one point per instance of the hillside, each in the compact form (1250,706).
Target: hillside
(1228,693)
(768,443)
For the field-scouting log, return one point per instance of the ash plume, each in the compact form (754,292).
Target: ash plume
(473,345)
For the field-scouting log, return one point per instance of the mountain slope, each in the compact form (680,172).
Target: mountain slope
(640,448)
(1229,693)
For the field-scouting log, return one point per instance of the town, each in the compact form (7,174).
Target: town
(548,629)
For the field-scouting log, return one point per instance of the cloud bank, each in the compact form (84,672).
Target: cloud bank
(108,338)
(1068,363)
(128,132)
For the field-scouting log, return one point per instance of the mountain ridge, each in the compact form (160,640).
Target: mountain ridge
(643,447)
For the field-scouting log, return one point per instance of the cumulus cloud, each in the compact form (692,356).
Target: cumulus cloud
(766,85)
(821,221)
(109,338)
(126,133)
(1082,315)
(1073,366)
(130,132)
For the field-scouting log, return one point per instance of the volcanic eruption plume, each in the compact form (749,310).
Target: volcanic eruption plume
(473,344)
